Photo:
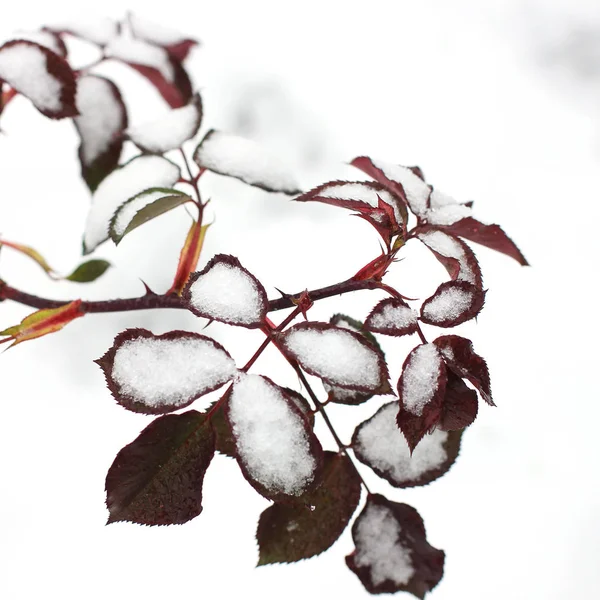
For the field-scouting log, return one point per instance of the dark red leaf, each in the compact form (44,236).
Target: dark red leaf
(392,553)
(294,531)
(491,236)
(460,404)
(453,303)
(157,479)
(379,444)
(392,316)
(460,357)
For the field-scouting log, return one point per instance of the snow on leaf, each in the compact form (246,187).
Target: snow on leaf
(392,553)
(246,160)
(99,30)
(143,207)
(379,444)
(364,197)
(340,357)
(392,316)
(460,405)
(157,479)
(461,358)
(225,291)
(453,303)
(138,174)
(101,122)
(41,76)
(169,131)
(445,210)
(402,181)
(275,446)
(155,374)
(421,391)
(491,236)
(458,259)
(288,532)
(138,52)
(45,38)
(176,43)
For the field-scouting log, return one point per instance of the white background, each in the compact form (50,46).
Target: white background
(497,102)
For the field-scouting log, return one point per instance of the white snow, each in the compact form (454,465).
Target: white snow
(98,30)
(139,52)
(335,355)
(416,190)
(23,67)
(450,247)
(154,32)
(449,304)
(159,372)
(169,131)
(134,177)
(43,38)
(420,378)
(271,438)
(244,159)
(228,293)
(360,192)
(388,316)
(101,116)
(382,445)
(445,210)
(379,548)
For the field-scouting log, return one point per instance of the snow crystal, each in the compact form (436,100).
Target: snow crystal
(271,438)
(154,32)
(101,116)
(130,50)
(23,67)
(448,305)
(393,317)
(360,192)
(98,30)
(420,378)
(137,175)
(450,247)
(383,446)
(244,159)
(169,131)
(378,546)
(228,293)
(335,355)
(416,190)
(158,372)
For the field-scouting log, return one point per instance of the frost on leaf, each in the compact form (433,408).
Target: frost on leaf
(155,374)
(421,391)
(379,444)
(392,553)
(275,447)
(392,316)
(458,259)
(41,76)
(460,357)
(157,479)
(133,177)
(177,44)
(453,303)
(170,131)
(101,122)
(225,291)
(382,208)
(338,356)
(142,208)
(491,236)
(288,532)
(405,182)
(246,160)
(99,31)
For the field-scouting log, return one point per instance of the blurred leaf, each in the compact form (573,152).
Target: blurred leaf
(89,271)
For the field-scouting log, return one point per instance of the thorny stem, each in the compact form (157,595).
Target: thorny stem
(268,330)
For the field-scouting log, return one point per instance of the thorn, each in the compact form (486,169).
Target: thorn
(149,292)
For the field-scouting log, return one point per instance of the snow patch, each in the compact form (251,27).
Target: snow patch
(450,247)
(139,52)
(419,381)
(154,32)
(392,317)
(448,305)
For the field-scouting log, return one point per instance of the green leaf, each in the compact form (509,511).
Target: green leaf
(89,271)
(145,206)
(157,479)
(310,525)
